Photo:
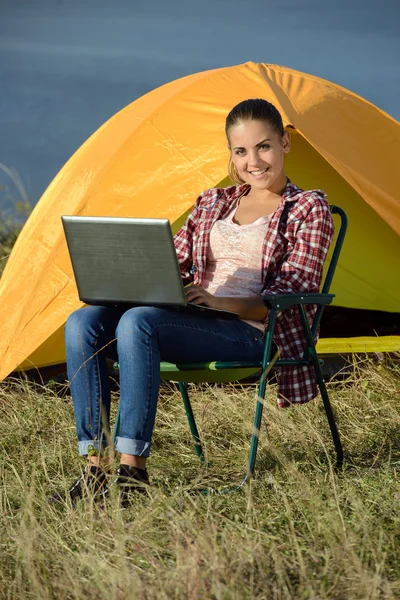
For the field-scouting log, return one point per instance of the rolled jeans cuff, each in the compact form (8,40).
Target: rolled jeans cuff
(133,447)
(84,445)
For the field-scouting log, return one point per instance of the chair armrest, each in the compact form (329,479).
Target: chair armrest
(282,301)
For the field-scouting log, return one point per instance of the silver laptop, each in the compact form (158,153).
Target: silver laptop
(126,261)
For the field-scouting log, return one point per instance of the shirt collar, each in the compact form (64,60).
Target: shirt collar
(290,191)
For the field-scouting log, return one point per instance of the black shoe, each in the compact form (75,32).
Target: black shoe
(128,481)
(90,484)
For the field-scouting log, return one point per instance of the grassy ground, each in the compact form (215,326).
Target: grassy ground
(300,530)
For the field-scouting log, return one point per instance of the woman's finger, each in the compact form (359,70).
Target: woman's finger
(196,294)
(193,290)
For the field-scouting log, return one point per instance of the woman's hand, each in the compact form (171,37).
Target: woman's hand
(198,295)
(251,307)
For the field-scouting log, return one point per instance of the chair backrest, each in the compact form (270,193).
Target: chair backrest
(335,210)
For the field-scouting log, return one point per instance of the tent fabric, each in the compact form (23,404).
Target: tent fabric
(155,156)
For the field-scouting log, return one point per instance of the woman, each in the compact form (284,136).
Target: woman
(262,236)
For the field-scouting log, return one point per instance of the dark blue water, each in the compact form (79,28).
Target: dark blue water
(67,66)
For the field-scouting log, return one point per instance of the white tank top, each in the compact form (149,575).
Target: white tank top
(234,259)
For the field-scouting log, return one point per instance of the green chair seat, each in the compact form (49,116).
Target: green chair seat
(211,372)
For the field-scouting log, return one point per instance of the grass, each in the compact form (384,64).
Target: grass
(299,531)
(11,222)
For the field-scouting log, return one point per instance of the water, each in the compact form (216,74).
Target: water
(67,66)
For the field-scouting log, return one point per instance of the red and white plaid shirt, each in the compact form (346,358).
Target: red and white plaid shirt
(295,246)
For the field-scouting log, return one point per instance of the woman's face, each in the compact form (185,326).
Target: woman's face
(257,152)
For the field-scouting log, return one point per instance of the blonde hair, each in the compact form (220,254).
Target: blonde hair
(233,174)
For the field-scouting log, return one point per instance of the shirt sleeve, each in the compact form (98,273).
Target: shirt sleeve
(301,270)
(183,241)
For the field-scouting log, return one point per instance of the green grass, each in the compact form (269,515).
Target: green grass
(11,221)
(7,241)
(10,229)
(300,530)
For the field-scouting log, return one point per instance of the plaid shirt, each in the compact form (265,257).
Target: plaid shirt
(295,246)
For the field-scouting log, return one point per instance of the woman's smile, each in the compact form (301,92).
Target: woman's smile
(259,173)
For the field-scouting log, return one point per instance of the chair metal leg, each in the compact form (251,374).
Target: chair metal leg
(321,384)
(267,365)
(192,423)
(329,414)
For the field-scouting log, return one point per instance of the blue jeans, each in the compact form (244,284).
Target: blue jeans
(139,338)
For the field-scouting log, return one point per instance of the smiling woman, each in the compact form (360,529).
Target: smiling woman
(263,236)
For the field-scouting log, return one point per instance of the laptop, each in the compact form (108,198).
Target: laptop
(121,261)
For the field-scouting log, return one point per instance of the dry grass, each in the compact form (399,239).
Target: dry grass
(300,530)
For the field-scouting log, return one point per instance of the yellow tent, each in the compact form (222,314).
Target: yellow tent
(156,155)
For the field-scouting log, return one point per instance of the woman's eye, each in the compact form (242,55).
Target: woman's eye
(264,147)
(239,152)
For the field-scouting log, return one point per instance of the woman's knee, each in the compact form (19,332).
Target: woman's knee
(81,325)
(136,320)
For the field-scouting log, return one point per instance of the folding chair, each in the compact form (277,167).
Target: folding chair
(234,371)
